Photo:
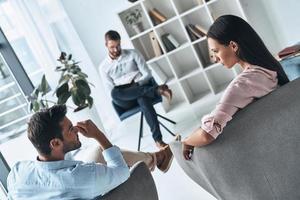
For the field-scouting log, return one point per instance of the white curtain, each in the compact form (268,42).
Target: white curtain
(48,30)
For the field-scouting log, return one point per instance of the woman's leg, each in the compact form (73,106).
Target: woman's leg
(162,159)
(94,154)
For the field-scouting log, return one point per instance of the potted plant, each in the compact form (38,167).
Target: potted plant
(133,19)
(72,84)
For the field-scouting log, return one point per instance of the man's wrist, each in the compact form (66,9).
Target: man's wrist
(103,141)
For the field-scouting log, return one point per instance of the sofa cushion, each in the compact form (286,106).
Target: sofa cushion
(257,155)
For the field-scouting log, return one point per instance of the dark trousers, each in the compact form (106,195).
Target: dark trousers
(131,95)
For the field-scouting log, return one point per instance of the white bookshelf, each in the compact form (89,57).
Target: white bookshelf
(187,69)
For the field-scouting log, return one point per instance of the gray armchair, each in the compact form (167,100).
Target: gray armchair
(257,155)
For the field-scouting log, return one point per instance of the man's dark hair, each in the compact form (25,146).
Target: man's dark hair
(44,126)
(112,35)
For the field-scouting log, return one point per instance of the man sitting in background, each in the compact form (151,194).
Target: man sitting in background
(53,177)
(126,77)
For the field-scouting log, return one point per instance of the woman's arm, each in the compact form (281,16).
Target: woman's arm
(198,138)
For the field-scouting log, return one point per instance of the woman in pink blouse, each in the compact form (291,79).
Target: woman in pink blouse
(233,41)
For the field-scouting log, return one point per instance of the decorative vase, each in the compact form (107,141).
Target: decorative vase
(138,27)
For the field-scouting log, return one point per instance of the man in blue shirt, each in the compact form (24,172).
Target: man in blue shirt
(126,77)
(53,177)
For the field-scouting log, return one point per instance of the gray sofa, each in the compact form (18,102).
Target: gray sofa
(258,154)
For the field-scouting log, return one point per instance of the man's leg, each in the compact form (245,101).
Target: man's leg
(133,92)
(151,118)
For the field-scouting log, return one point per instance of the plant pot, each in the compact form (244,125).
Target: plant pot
(138,27)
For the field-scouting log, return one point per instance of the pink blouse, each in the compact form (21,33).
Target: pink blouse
(253,82)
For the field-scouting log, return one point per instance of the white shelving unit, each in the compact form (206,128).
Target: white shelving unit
(187,69)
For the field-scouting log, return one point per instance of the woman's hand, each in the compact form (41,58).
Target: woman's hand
(187,151)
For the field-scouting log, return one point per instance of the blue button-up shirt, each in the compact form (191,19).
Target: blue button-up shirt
(67,179)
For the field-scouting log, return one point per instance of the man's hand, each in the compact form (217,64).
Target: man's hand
(187,151)
(89,129)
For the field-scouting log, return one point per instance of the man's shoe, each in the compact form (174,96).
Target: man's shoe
(166,162)
(161,144)
(164,90)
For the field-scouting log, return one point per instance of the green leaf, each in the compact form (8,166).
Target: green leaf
(62,56)
(62,90)
(81,74)
(36,106)
(64,79)
(80,108)
(90,101)
(44,86)
(70,57)
(83,87)
(63,98)
(78,97)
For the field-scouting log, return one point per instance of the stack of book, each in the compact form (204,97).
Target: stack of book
(156,16)
(169,41)
(195,31)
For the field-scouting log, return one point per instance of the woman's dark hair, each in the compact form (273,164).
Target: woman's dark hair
(251,47)
(112,35)
(44,126)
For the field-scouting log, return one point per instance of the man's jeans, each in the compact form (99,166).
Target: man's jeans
(131,95)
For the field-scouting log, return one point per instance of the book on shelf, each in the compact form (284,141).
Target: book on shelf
(201,30)
(158,74)
(156,16)
(173,40)
(192,36)
(168,44)
(194,32)
(155,44)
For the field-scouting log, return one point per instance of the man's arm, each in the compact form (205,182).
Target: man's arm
(116,170)
(143,67)
(89,129)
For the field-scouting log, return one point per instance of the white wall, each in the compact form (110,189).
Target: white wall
(92,19)
(276,21)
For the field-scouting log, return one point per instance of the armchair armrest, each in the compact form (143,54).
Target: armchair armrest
(140,185)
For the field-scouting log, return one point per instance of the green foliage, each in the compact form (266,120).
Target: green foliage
(133,16)
(72,83)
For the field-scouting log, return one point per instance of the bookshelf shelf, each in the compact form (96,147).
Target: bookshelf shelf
(174,29)
(186,5)
(185,64)
(162,71)
(198,17)
(181,66)
(178,98)
(219,77)
(202,52)
(129,28)
(195,87)
(162,7)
